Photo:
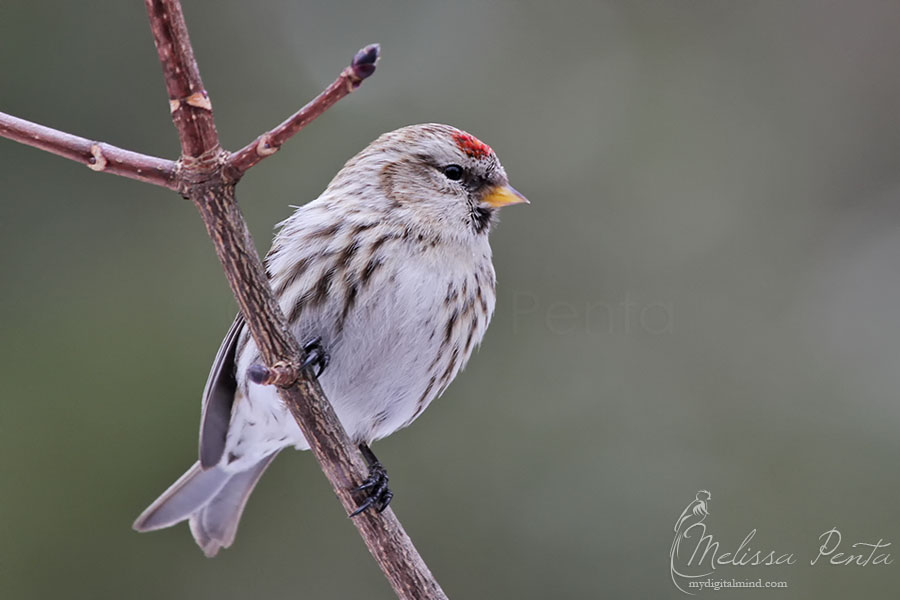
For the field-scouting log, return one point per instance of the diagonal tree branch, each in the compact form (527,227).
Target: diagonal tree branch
(206,174)
(213,195)
(98,156)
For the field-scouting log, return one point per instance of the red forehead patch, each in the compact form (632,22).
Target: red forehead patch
(471,145)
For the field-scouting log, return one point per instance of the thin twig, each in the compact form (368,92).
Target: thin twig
(269,143)
(97,156)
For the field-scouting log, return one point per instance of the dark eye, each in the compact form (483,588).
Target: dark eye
(453,172)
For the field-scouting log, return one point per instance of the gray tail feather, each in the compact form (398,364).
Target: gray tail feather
(215,524)
(212,499)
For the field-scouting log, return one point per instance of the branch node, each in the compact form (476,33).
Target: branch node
(282,374)
(264,147)
(203,168)
(200,100)
(197,99)
(97,162)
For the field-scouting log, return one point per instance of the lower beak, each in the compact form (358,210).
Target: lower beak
(503,195)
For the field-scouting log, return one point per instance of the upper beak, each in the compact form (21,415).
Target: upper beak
(504,195)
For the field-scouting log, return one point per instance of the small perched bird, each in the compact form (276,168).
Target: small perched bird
(387,279)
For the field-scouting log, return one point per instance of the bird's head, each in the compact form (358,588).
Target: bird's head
(432,178)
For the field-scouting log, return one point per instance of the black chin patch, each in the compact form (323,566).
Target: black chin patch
(481,218)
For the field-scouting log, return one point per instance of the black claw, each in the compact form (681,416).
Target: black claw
(376,485)
(367,503)
(315,355)
(385,500)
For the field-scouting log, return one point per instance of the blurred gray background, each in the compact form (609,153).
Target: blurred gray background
(704,293)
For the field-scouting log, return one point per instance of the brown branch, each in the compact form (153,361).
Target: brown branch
(213,194)
(192,114)
(188,101)
(97,156)
(362,65)
(207,175)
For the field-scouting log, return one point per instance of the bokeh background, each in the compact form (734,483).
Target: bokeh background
(704,293)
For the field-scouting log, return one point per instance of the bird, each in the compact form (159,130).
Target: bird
(387,281)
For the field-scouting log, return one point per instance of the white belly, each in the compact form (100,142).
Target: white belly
(392,355)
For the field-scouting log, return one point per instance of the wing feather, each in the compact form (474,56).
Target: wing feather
(218,396)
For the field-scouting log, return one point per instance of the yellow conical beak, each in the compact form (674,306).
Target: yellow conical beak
(503,196)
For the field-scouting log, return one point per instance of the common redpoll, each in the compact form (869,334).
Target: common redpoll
(387,278)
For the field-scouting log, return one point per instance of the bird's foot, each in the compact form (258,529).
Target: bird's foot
(315,355)
(378,494)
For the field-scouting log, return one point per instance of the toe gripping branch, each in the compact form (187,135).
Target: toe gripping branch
(378,495)
(315,356)
(284,374)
